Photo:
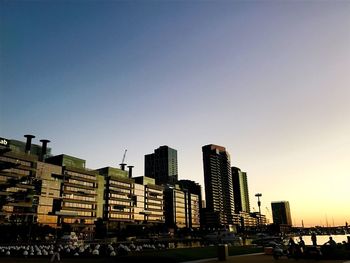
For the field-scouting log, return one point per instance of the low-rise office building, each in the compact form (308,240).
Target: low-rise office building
(194,210)
(247,221)
(50,196)
(116,198)
(38,188)
(176,209)
(77,204)
(19,187)
(153,209)
(181,208)
(194,191)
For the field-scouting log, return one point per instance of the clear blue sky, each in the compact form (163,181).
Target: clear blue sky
(269,80)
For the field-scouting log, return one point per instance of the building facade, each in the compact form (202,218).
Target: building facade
(19,187)
(247,220)
(194,191)
(77,204)
(240,190)
(194,211)
(162,165)
(116,197)
(181,208)
(191,187)
(176,208)
(60,191)
(38,188)
(218,185)
(50,197)
(153,206)
(127,201)
(281,213)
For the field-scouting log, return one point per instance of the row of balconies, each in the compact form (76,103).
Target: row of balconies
(153,194)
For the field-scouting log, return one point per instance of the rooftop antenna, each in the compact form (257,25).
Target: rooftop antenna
(122,164)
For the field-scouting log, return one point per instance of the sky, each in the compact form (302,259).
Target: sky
(268,80)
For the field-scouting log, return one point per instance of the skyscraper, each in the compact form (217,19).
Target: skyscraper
(281,213)
(162,165)
(240,190)
(218,184)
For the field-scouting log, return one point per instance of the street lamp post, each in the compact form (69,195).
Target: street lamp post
(258,195)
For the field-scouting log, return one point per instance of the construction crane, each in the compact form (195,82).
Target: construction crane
(122,164)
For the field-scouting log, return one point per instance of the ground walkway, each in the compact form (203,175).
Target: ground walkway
(262,258)
(252,258)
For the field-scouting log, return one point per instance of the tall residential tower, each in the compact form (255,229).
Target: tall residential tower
(218,185)
(240,190)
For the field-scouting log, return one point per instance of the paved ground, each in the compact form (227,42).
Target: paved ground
(257,258)
(262,258)
(47,260)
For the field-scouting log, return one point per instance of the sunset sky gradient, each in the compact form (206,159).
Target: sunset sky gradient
(268,80)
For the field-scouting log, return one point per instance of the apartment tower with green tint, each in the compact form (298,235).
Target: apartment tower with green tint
(240,190)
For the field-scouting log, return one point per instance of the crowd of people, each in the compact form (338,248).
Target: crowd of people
(58,250)
(299,249)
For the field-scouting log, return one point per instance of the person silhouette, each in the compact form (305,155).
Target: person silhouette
(291,246)
(314,239)
(331,242)
(302,244)
(56,253)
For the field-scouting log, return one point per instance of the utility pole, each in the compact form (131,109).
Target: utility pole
(258,195)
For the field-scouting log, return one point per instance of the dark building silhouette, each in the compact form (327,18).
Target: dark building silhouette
(162,165)
(281,213)
(149,165)
(240,190)
(191,186)
(218,186)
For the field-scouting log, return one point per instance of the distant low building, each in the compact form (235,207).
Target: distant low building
(259,218)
